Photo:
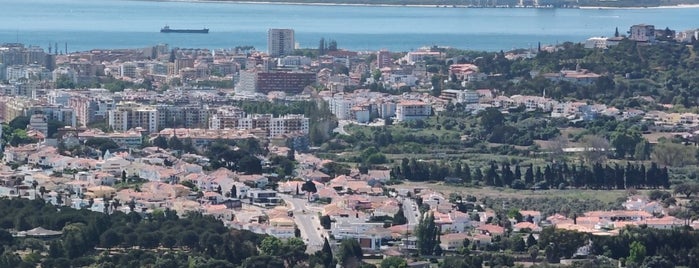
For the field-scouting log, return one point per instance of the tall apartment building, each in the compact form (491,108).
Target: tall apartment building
(280,42)
(90,109)
(383,59)
(128,115)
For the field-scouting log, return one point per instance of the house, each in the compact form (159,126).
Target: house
(254,180)
(490,230)
(112,165)
(220,212)
(368,234)
(454,241)
(232,203)
(525,225)
(317,176)
(533,214)
(263,197)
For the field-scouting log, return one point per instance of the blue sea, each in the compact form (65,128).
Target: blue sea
(89,24)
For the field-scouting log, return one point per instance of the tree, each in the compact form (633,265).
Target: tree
(309,187)
(250,164)
(394,262)
(160,142)
(109,239)
(332,45)
(234,191)
(271,246)
(262,261)
(533,252)
(596,149)
(531,241)
(399,218)
(64,81)
(490,118)
(325,221)
(673,154)
(436,81)
(102,144)
(322,48)
(427,234)
(625,142)
(189,239)
(350,254)
(174,143)
(168,241)
(637,253)
(687,189)
(327,253)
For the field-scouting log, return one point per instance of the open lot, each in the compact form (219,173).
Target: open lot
(605,196)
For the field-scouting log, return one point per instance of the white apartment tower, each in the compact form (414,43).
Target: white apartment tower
(280,42)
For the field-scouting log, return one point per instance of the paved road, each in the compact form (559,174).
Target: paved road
(411,212)
(308,222)
(341,127)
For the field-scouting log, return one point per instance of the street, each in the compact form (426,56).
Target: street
(307,221)
(411,212)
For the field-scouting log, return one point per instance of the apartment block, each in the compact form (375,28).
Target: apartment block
(128,115)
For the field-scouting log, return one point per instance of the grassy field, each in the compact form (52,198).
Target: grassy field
(605,196)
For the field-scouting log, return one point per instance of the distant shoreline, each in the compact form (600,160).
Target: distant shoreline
(680,6)
(654,7)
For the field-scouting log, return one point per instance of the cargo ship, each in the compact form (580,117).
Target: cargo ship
(167,29)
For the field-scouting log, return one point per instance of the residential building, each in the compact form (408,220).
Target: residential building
(128,115)
(383,59)
(288,82)
(263,197)
(412,110)
(280,42)
(128,69)
(642,33)
(596,42)
(39,123)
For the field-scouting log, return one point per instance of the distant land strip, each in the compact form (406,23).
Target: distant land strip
(478,3)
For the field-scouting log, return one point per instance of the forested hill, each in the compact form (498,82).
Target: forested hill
(158,239)
(493,3)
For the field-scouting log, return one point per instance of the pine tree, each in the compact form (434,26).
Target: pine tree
(478,175)
(467,173)
(529,175)
(518,173)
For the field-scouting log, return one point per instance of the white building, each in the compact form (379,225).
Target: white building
(280,42)
(128,69)
(294,61)
(39,123)
(596,42)
(686,36)
(412,110)
(128,115)
(341,107)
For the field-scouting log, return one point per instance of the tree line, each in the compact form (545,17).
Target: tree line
(552,175)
